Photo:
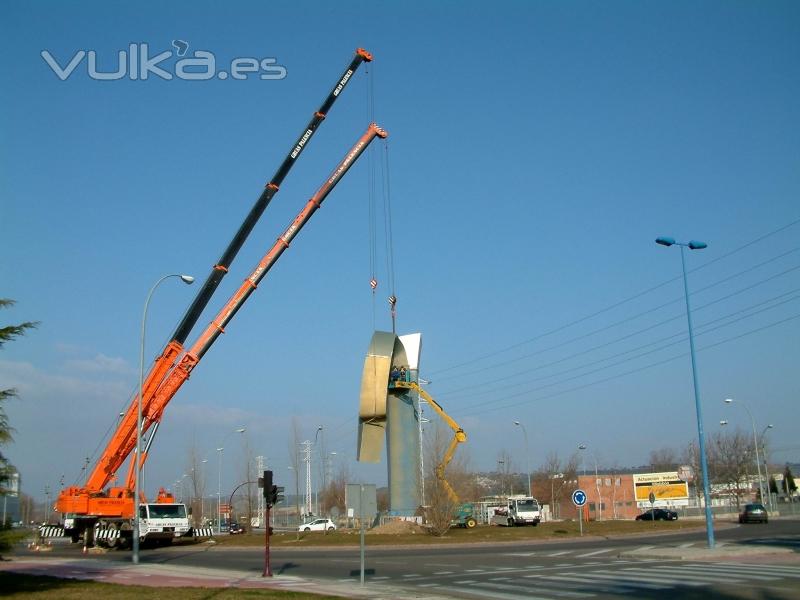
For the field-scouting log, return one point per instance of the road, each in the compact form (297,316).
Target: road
(588,568)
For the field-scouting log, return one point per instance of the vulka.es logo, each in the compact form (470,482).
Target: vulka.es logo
(135,63)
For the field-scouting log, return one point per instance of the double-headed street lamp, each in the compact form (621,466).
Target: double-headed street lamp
(187,279)
(219,476)
(695,245)
(527,467)
(755,443)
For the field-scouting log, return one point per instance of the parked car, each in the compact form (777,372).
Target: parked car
(658,514)
(754,513)
(235,528)
(318,525)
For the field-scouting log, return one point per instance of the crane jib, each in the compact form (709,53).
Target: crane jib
(220,268)
(218,325)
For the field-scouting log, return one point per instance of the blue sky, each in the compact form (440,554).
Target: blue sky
(536,150)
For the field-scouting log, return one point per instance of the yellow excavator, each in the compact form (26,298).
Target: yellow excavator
(463,515)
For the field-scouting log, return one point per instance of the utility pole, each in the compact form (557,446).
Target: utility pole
(307,447)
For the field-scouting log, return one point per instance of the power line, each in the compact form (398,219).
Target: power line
(615,304)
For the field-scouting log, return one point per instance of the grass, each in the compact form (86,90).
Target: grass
(481,534)
(34,587)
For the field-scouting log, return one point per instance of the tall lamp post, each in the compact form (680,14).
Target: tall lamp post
(527,466)
(755,443)
(596,484)
(766,465)
(219,476)
(695,245)
(187,279)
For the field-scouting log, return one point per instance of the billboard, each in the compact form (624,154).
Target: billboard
(664,486)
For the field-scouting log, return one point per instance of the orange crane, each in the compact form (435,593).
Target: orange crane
(92,503)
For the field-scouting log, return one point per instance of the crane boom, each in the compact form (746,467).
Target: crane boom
(74,500)
(181,372)
(459,436)
(111,460)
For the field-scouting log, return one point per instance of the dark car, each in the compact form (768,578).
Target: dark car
(658,514)
(754,513)
(235,528)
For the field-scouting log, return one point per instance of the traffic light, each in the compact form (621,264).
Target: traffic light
(266,485)
(277,494)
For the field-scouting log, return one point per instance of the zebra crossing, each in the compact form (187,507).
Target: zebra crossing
(634,578)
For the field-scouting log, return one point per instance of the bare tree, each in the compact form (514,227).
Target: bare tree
(334,492)
(663,459)
(441,501)
(731,453)
(557,480)
(195,473)
(504,469)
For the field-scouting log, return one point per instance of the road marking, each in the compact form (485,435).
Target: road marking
(786,571)
(377,578)
(523,554)
(686,545)
(443,573)
(621,581)
(497,595)
(408,576)
(560,553)
(428,585)
(643,548)
(475,570)
(652,579)
(525,590)
(680,577)
(465,582)
(499,578)
(715,570)
(617,587)
(594,553)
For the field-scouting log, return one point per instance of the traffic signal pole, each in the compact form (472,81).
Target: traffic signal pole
(267,566)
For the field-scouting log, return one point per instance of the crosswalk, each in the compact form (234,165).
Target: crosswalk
(635,578)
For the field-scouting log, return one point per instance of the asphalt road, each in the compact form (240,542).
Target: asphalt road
(578,568)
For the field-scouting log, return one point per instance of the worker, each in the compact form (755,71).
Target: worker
(395,374)
(403,374)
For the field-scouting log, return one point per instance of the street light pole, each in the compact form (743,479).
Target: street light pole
(187,279)
(695,245)
(766,465)
(596,484)
(527,466)
(219,477)
(755,443)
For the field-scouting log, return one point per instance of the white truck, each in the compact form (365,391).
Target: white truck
(158,522)
(518,510)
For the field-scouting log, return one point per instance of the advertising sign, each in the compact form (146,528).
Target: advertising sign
(664,487)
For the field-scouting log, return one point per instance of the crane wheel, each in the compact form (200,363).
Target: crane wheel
(470,523)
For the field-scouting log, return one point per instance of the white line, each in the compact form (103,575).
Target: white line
(412,575)
(681,578)
(616,587)
(475,570)
(520,554)
(511,588)
(494,594)
(499,578)
(643,548)
(443,573)
(621,581)
(376,578)
(717,572)
(650,579)
(786,571)
(594,553)
(560,553)
(428,584)
(686,545)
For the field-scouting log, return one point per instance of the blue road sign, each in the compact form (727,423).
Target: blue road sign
(579,497)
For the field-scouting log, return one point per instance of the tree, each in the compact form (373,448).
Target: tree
(663,459)
(441,505)
(789,486)
(731,454)
(7,334)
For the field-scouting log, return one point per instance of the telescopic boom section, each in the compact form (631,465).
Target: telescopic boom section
(189,360)
(112,459)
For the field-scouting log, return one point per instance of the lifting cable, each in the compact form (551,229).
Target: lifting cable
(372,213)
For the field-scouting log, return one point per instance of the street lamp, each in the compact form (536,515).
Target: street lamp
(755,443)
(766,465)
(695,245)
(596,483)
(527,467)
(187,279)
(219,476)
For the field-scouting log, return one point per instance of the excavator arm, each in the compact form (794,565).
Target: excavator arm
(459,437)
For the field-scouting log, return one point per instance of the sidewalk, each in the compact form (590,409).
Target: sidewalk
(159,575)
